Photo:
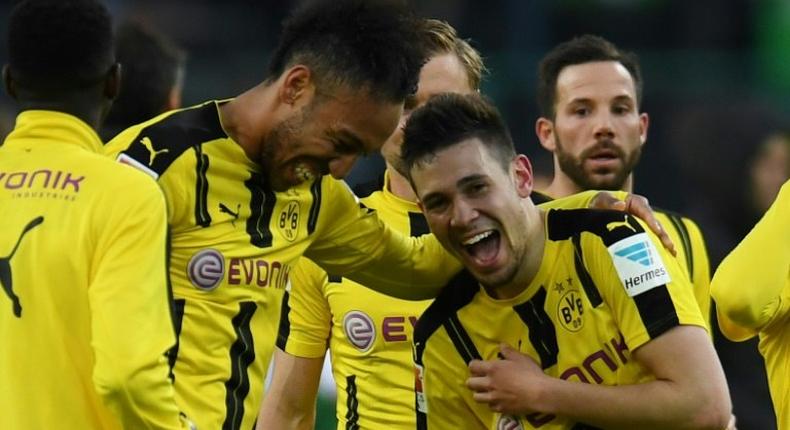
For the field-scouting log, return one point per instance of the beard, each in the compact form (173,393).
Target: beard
(277,143)
(599,179)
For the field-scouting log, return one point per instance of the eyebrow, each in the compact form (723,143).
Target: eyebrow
(459,183)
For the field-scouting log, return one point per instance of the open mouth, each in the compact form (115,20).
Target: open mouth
(483,247)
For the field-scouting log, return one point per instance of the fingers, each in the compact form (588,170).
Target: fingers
(639,207)
(508,353)
(478,367)
(479,384)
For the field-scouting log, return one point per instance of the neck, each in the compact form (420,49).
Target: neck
(90,114)
(563,186)
(249,116)
(400,186)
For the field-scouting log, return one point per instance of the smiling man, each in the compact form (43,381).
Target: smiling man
(582,295)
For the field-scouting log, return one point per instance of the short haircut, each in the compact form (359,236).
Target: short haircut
(441,38)
(580,50)
(448,119)
(152,66)
(361,44)
(59,45)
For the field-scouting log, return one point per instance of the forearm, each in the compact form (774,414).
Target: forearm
(290,402)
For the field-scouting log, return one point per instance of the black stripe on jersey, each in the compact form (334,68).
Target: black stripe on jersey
(178,319)
(582,426)
(538,198)
(284,329)
(455,295)
(202,217)
(315,207)
(242,354)
(685,239)
(418,225)
(656,310)
(590,289)
(159,144)
(352,403)
(365,189)
(336,279)
(610,226)
(460,338)
(262,201)
(542,333)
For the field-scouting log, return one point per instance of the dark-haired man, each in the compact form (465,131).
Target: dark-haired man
(84,313)
(584,320)
(247,195)
(589,95)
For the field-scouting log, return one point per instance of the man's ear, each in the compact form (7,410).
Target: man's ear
(112,82)
(522,175)
(8,82)
(298,85)
(644,122)
(544,129)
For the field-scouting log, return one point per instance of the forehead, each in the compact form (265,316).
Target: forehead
(443,73)
(449,166)
(593,80)
(358,116)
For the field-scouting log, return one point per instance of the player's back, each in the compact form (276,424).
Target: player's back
(59,201)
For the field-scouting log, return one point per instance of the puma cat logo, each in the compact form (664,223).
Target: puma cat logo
(224,209)
(5,268)
(613,225)
(151,152)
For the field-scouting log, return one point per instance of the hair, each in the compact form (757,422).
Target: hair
(448,119)
(439,38)
(580,50)
(152,66)
(362,44)
(59,45)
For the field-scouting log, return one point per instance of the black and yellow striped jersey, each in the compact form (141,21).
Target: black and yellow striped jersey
(692,254)
(604,288)
(233,243)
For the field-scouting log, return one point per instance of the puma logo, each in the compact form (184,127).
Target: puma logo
(224,209)
(5,268)
(613,225)
(151,152)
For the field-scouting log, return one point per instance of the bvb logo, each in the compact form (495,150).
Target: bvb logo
(288,223)
(570,311)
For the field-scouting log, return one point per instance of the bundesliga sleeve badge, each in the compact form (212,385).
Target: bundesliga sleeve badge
(638,264)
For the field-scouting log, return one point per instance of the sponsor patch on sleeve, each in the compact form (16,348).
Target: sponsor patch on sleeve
(125,159)
(638,264)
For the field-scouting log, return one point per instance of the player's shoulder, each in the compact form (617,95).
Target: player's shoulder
(153,146)
(676,221)
(456,294)
(609,225)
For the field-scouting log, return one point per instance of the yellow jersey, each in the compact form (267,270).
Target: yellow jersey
(604,288)
(85,309)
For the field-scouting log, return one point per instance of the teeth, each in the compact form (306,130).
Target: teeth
(303,172)
(477,238)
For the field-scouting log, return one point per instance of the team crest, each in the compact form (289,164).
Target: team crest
(507,422)
(206,269)
(570,310)
(288,221)
(359,330)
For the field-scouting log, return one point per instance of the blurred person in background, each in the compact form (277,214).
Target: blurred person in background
(153,76)
(85,308)
(367,333)
(589,96)
(751,288)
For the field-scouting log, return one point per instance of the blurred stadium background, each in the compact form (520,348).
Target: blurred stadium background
(717,84)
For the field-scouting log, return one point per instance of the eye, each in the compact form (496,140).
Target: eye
(344,148)
(476,188)
(621,109)
(434,205)
(581,111)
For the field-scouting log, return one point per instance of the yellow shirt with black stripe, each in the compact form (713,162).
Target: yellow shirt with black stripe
(752,292)
(233,244)
(604,288)
(692,254)
(85,309)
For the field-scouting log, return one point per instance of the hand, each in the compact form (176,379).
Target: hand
(510,385)
(639,207)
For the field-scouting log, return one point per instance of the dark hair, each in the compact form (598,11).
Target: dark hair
(152,66)
(59,44)
(580,50)
(448,119)
(369,44)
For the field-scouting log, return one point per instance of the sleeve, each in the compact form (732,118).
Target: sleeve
(642,284)
(305,330)
(579,200)
(751,285)
(353,242)
(132,326)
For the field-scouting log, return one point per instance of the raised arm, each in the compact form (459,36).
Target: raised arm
(748,284)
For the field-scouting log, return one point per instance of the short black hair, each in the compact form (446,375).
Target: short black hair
(152,66)
(59,44)
(580,50)
(448,119)
(370,44)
